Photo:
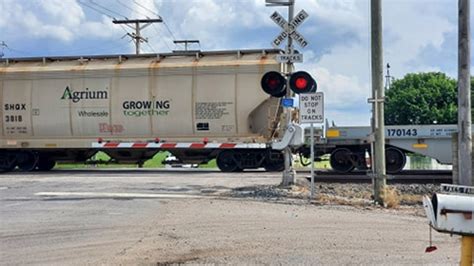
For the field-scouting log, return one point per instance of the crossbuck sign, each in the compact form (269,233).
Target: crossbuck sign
(289,29)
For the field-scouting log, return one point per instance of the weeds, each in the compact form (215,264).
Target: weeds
(391,197)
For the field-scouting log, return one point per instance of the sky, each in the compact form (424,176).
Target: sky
(418,36)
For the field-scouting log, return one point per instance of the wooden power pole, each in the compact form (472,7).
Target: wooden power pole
(136,36)
(464,95)
(378,94)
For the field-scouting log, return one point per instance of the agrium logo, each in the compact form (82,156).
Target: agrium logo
(76,96)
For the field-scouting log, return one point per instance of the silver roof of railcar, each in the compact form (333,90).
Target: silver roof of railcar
(197,54)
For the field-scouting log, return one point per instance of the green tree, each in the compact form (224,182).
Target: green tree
(422,98)
(472,97)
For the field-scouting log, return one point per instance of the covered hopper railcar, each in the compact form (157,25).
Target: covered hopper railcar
(198,106)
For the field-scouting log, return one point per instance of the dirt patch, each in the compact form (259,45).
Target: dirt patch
(194,255)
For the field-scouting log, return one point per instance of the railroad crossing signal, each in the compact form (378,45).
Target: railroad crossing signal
(274,83)
(289,29)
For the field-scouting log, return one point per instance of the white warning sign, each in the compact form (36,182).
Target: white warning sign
(312,107)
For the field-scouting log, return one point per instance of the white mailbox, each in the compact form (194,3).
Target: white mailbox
(451,213)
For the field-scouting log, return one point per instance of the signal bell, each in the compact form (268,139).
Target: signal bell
(302,82)
(274,84)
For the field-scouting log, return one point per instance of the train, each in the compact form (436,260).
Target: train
(198,106)
(349,147)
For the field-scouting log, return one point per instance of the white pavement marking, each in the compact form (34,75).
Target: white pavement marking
(117,195)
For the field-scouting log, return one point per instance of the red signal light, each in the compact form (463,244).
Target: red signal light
(274,84)
(302,82)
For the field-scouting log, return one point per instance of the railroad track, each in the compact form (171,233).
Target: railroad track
(408,176)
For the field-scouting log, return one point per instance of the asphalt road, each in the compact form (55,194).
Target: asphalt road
(147,217)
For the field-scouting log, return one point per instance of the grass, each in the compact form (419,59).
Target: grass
(391,197)
(211,164)
(411,199)
(155,162)
(317,165)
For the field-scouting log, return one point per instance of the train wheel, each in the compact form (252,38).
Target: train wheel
(8,168)
(227,162)
(340,160)
(27,161)
(395,160)
(8,162)
(45,164)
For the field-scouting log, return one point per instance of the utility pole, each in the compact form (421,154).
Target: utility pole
(378,94)
(136,36)
(186,43)
(464,95)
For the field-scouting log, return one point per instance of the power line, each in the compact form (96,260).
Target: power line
(145,15)
(109,10)
(146,8)
(154,13)
(169,30)
(95,9)
(103,13)
(159,35)
(130,8)
(156,28)
(139,25)
(151,47)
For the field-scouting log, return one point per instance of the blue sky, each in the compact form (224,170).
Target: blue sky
(418,36)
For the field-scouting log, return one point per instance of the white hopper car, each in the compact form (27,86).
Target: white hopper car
(198,106)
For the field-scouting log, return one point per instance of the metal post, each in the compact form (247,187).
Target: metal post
(467,250)
(377,87)
(312,161)
(464,95)
(455,146)
(289,173)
